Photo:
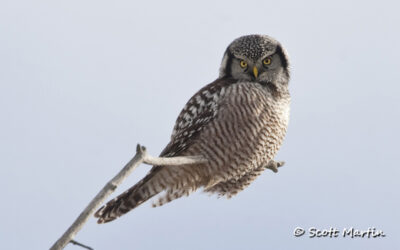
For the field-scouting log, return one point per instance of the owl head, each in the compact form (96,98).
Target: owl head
(256,58)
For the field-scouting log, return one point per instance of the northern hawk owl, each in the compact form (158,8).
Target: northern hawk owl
(237,123)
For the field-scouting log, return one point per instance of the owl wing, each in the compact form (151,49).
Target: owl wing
(200,110)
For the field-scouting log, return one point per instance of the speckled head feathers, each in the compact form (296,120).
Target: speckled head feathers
(253,48)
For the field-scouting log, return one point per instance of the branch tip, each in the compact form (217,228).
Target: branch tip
(140,149)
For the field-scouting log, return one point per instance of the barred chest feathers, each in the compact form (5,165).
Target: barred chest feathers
(249,126)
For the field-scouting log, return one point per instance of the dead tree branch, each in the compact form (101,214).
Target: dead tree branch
(80,244)
(141,157)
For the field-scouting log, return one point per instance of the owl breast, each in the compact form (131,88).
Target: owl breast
(246,133)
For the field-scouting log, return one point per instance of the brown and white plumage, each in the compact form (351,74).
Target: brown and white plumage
(237,123)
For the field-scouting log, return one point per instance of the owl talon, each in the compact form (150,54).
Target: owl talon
(274,165)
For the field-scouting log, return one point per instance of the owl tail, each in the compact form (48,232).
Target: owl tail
(127,201)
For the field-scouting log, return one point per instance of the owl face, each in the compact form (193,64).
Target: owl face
(256,58)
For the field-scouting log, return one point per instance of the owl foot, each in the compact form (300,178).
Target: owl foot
(274,165)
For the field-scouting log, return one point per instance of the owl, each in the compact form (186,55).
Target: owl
(237,123)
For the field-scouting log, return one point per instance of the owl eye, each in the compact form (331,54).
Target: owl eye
(243,64)
(267,61)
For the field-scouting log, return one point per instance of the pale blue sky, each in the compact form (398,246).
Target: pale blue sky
(81,82)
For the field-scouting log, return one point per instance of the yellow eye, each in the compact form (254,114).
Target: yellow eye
(243,64)
(267,61)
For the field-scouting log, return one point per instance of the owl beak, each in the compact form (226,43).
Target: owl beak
(255,71)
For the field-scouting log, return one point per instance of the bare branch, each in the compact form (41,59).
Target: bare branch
(174,161)
(140,157)
(80,244)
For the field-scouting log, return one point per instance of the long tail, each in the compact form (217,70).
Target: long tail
(128,200)
(174,181)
